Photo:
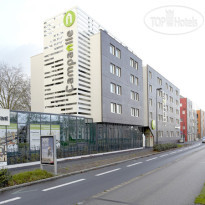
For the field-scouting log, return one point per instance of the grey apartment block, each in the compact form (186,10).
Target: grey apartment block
(130,97)
(166,102)
(191,121)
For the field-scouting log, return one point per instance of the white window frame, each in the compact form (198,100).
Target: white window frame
(112,49)
(118,53)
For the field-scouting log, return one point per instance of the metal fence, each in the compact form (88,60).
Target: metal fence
(102,138)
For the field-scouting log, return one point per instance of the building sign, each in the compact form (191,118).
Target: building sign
(47,150)
(68,21)
(153,124)
(164,107)
(69,18)
(4,117)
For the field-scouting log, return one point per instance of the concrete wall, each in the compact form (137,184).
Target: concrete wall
(96,84)
(37,83)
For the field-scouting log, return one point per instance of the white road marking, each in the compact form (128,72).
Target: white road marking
(9,200)
(114,170)
(55,187)
(151,159)
(134,164)
(172,153)
(164,155)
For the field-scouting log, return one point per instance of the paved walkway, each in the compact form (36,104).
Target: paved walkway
(73,165)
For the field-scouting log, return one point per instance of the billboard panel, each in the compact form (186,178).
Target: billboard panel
(47,150)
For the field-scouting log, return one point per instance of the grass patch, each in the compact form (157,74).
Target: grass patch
(179,145)
(201,198)
(6,179)
(163,147)
(29,176)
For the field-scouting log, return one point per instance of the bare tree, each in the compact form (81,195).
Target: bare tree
(14,89)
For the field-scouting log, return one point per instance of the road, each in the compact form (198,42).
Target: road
(173,177)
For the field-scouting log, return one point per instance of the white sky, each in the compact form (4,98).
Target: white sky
(179,58)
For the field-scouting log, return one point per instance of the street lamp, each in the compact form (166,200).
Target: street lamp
(158,89)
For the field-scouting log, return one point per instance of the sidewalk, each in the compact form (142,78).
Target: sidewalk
(77,164)
(74,165)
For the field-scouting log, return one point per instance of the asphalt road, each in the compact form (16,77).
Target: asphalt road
(166,178)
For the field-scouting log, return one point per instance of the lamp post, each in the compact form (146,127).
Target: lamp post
(158,89)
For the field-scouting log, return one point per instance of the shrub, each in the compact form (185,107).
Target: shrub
(163,147)
(29,176)
(5,177)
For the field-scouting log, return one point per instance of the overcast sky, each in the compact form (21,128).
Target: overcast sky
(179,58)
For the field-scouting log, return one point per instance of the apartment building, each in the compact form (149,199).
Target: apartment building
(163,107)
(200,123)
(86,72)
(188,116)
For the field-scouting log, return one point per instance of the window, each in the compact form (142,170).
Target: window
(118,53)
(134,96)
(118,90)
(112,68)
(119,109)
(150,75)
(177,102)
(177,111)
(150,115)
(136,80)
(177,92)
(132,79)
(167,86)
(116,108)
(159,93)
(159,80)
(177,121)
(171,109)
(183,112)
(115,70)
(150,102)
(150,88)
(112,88)
(113,107)
(133,63)
(170,88)
(112,49)
(180,104)
(134,112)
(118,72)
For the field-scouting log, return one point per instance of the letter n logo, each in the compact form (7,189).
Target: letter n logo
(69,18)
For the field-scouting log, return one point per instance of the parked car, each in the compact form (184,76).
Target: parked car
(203,140)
